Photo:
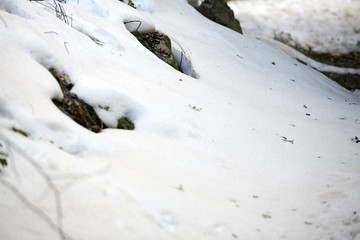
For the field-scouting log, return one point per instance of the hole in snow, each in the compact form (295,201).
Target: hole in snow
(78,110)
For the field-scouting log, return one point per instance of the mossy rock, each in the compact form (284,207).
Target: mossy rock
(159,44)
(80,112)
(74,107)
(63,80)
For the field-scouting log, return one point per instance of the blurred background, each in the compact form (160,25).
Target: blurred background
(326,31)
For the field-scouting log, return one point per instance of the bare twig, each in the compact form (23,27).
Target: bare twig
(127,22)
(65,44)
(51,32)
(182,53)
(56,6)
(181,59)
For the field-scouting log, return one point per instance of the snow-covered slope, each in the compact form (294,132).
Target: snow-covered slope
(257,146)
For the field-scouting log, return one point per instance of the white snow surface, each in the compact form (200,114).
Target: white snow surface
(331,26)
(254,146)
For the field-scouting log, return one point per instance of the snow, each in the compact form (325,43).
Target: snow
(250,144)
(322,25)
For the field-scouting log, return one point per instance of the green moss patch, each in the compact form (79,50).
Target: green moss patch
(125,123)
(22,132)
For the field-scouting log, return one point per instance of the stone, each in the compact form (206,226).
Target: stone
(159,44)
(74,107)
(78,110)
(219,12)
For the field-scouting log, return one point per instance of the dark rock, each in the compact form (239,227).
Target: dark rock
(75,108)
(159,44)
(80,111)
(219,12)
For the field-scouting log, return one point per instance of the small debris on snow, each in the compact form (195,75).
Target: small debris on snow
(287,140)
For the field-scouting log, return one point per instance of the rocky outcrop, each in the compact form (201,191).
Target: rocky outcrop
(159,44)
(219,12)
(75,108)
(80,111)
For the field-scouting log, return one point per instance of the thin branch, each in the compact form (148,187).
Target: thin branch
(51,32)
(181,59)
(127,22)
(56,6)
(65,44)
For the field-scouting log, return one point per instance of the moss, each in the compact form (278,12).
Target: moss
(21,132)
(131,4)
(63,80)
(125,123)
(106,108)
(3,159)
